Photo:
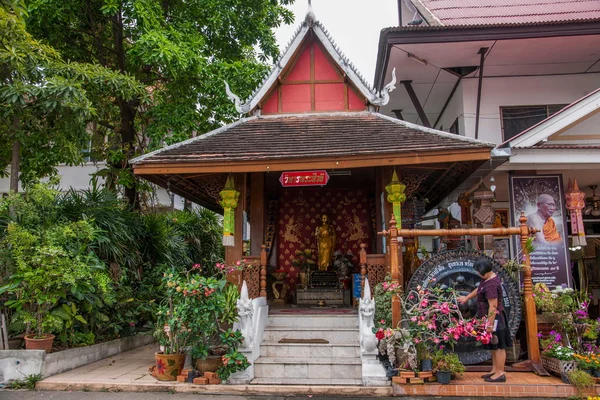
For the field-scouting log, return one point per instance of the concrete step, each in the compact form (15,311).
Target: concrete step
(306,382)
(274,349)
(313,321)
(308,368)
(337,335)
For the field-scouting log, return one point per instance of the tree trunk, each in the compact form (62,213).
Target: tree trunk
(127,111)
(128,146)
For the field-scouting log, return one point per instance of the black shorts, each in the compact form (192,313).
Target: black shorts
(502,333)
(504,340)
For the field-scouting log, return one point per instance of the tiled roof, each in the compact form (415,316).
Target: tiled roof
(566,146)
(494,12)
(304,136)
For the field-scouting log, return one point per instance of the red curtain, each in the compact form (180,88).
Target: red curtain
(350,212)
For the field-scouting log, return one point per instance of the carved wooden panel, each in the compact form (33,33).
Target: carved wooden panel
(375,274)
(251,274)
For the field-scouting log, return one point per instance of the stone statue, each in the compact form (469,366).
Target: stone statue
(366,311)
(245,311)
(325,243)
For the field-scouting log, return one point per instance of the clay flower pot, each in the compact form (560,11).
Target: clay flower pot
(168,366)
(210,364)
(43,343)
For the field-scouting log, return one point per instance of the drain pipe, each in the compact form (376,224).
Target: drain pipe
(482,52)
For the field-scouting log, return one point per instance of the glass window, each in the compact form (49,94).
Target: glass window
(517,119)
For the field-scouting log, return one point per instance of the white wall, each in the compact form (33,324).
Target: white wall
(515,91)
(79,178)
(454,110)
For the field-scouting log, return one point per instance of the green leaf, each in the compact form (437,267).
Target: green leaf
(171,362)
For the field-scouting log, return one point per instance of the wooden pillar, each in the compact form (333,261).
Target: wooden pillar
(257,212)
(363,267)
(263,271)
(396,269)
(234,253)
(533,347)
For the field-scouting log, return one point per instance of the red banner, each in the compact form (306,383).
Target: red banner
(304,178)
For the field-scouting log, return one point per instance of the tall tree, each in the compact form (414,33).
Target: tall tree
(180,50)
(45,102)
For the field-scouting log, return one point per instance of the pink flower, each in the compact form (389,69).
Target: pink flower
(382,321)
(414,319)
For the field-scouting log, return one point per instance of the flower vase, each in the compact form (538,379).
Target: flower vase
(444,377)
(426,365)
(168,366)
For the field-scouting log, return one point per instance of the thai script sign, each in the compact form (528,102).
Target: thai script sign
(304,178)
(541,198)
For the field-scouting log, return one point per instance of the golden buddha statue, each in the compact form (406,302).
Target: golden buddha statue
(325,243)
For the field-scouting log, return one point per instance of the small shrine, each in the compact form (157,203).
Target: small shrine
(312,173)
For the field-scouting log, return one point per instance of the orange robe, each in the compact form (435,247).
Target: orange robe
(550,232)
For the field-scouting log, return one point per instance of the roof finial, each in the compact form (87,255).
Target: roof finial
(310,15)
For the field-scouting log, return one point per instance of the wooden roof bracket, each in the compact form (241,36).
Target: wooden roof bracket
(482,51)
(416,103)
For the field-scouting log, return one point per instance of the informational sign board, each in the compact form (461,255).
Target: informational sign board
(304,178)
(540,197)
(356,285)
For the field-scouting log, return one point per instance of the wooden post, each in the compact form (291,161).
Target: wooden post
(533,347)
(263,271)
(363,267)
(3,333)
(234,253)
(396,272)
(257,211)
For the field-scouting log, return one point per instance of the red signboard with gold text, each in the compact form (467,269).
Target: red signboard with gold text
(304,178)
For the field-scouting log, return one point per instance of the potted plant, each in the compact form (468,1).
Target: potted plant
(216,345)
(48,258)
(175,322)
(304,261)
(581,380)
(446,365)
(555,356)
(584,362)
(590,335)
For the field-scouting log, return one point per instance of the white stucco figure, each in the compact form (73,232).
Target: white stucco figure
(366,310)
(245,312)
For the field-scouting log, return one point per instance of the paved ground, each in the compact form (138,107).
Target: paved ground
(32,395)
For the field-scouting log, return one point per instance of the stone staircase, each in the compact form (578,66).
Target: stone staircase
(304,362)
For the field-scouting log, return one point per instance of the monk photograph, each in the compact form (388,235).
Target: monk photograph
(541,199)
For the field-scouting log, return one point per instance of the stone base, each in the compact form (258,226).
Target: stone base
(311,297)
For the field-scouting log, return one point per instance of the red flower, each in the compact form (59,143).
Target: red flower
(379,334)
(160,366)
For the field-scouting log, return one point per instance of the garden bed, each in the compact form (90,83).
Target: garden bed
(19,364)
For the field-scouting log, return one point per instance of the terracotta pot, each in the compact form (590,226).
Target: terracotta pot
(168,366)
(44,343)
(210,364)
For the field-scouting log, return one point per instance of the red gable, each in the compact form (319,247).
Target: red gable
(312,82)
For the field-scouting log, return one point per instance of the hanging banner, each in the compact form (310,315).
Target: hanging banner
(541,197)
(304,178)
